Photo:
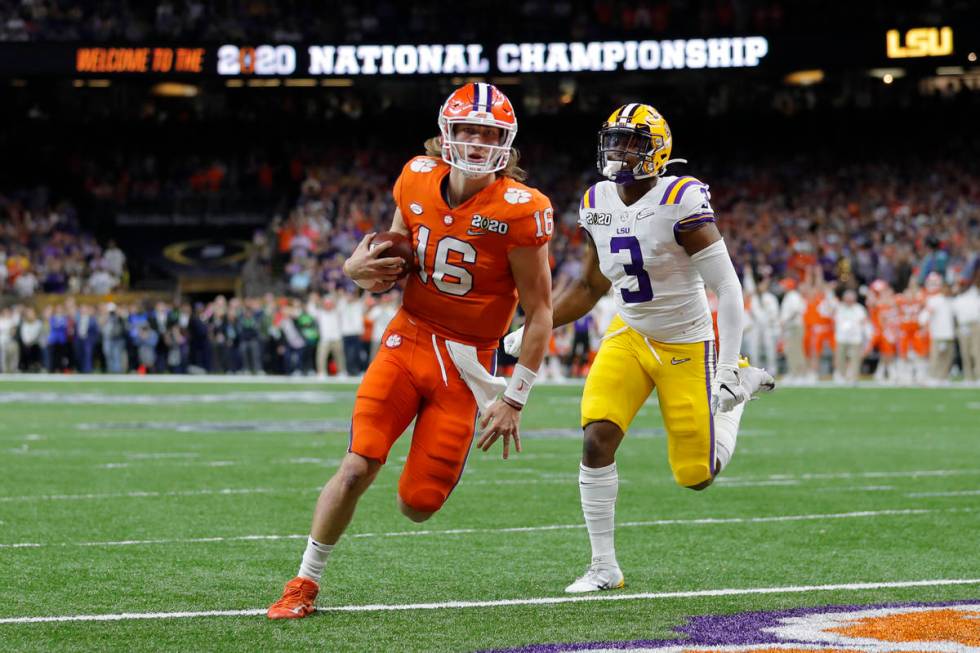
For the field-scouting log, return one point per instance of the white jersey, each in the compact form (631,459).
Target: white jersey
(658,290)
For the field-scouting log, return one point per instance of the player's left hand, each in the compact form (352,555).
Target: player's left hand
(500,421)
(726,390)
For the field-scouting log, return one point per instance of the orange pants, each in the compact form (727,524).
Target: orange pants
(914,341)
(817,338)
(413,377)
(884,345)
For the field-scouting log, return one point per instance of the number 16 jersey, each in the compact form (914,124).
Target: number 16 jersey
(464,289)
(657,288)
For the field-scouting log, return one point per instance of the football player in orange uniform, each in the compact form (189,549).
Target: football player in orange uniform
(885,319)
(481,238)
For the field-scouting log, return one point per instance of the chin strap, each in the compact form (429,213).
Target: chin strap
(613,171)
(669,161)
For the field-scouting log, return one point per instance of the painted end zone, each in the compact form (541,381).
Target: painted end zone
(920,627)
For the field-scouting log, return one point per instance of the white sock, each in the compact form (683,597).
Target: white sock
(726,433)
(314,560)
(598,488)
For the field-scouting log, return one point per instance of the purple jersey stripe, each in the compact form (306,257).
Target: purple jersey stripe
(663,200)
(592,197)
(694,182)
(691,225)
(708,350)
(698,216)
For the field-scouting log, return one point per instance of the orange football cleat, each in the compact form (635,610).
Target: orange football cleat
(297,600)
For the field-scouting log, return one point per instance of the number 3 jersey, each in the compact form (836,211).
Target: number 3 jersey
(657,288)
(464,288)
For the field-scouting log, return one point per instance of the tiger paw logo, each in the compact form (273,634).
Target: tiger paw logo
(422,164)
(394,340)
(517,196)
(918,628)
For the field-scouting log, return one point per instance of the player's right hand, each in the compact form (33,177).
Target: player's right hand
(364,265)
(512,342)
(727,390)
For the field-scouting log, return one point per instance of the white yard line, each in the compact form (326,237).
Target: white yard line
(790,479)
(547,600)
(730,482)
(514,529)
(136,494)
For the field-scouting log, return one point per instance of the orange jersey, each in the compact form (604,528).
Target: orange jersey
(464,289)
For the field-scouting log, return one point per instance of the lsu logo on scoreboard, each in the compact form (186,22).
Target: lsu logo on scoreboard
(919,42)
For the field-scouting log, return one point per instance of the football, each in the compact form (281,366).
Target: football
(401,246)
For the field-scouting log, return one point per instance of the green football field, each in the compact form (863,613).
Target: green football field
(167,516)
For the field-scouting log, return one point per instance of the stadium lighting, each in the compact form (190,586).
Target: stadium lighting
(175,89)
(338,83)
(881,73)
(971,57)
(949,70)
(301,82)
(804,77)
(888,79)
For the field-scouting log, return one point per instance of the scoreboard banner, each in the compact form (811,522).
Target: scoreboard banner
(275,60)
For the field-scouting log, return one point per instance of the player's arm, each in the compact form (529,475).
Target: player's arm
(582,294)
(707,250)
(368,269)
(574,300)
(532,276)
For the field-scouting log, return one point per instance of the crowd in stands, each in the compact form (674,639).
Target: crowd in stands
(804,330)
(334,334)
(44,250)
(306,20)
(871,232)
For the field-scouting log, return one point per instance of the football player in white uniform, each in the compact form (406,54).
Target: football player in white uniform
(653,238)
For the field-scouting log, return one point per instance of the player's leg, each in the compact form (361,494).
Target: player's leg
(443,434)
(617,386)
(386,403)
(700,445)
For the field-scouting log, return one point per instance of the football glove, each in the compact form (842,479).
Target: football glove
(512,343)
(726,390)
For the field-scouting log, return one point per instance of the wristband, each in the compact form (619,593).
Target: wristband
(513,404)
(519,386)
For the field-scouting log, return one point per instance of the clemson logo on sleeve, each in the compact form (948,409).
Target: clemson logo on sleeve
(422,164)
(517,196)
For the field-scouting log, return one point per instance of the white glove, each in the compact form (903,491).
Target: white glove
(512,343)
(726,390)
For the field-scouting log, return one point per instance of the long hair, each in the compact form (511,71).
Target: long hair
(433,148)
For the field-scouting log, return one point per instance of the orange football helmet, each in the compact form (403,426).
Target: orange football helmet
(477,104)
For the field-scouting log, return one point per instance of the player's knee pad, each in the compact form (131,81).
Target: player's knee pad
(694,477)
(425,499)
